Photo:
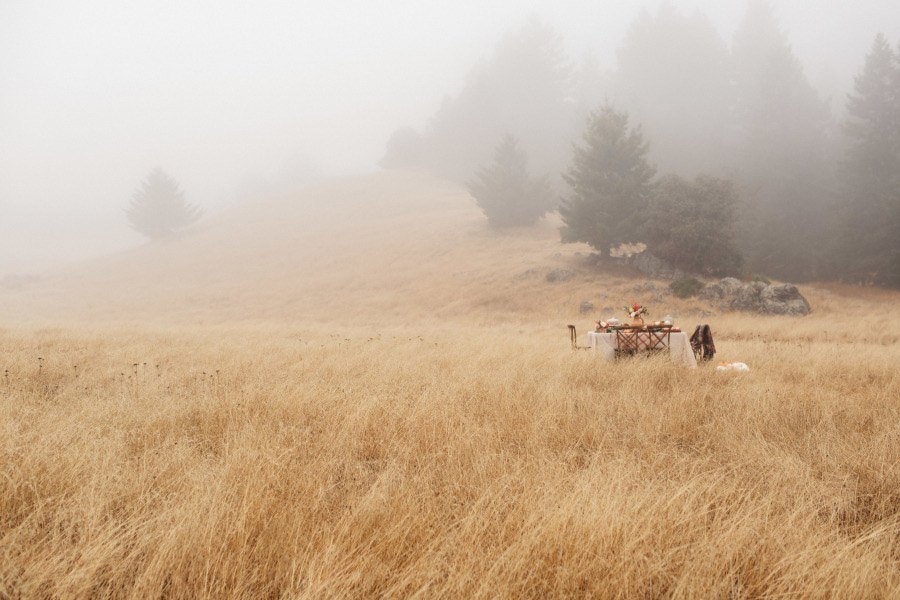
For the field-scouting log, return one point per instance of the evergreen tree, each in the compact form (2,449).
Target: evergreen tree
(158,208)
(871,215)
(783,152)
(611,183)
(506,193)
(691,225)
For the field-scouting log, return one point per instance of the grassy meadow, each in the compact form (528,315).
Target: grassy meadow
(389,407)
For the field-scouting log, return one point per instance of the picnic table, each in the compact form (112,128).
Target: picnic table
(636,341)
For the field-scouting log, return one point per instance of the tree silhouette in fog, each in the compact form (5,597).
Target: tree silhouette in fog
(611,183)
(158,207)
(690,224)
(808,206)
(505,191)
(406,149)
(870,249)
(783,152)
(673,78)
(523,87)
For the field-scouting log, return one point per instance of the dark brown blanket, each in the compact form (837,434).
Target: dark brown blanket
(702,343)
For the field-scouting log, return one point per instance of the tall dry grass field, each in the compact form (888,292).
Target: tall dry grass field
(462,463)
(436,437)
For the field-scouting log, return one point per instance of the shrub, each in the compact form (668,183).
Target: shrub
(686,287)
(691,225)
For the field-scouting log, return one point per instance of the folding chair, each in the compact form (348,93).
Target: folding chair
(633,342)
(627,343)
(658,340)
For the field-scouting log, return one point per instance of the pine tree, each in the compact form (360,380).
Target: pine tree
(873,110)
(871,244)
(783,152)
(611,183)
(506,193)
(158,208)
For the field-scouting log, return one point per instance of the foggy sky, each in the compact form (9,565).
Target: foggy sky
(95,93)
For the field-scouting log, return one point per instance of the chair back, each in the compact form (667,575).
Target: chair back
(633,342)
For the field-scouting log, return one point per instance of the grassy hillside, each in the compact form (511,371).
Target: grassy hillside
(392,248)
(373,395)
(389,245)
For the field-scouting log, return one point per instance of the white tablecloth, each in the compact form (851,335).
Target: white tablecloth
(679,347)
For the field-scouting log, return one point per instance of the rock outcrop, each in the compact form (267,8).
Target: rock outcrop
(756,296)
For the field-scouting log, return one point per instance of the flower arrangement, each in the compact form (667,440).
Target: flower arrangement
(636,311)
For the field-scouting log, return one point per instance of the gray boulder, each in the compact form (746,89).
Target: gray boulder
(721,289)
(784,299)
(586,307)
(757,296)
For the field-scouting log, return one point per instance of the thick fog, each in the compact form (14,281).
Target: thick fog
(234,97)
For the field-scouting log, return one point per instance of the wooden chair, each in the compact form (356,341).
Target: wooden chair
(573,337)
(659,340)
(631,343)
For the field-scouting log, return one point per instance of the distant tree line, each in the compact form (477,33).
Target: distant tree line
(762,175)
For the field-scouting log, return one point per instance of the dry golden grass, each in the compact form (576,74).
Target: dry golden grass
(324,444)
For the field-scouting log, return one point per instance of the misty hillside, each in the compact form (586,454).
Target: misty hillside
(390,244)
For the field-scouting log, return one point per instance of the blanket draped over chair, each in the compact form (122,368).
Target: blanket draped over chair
(702,343)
